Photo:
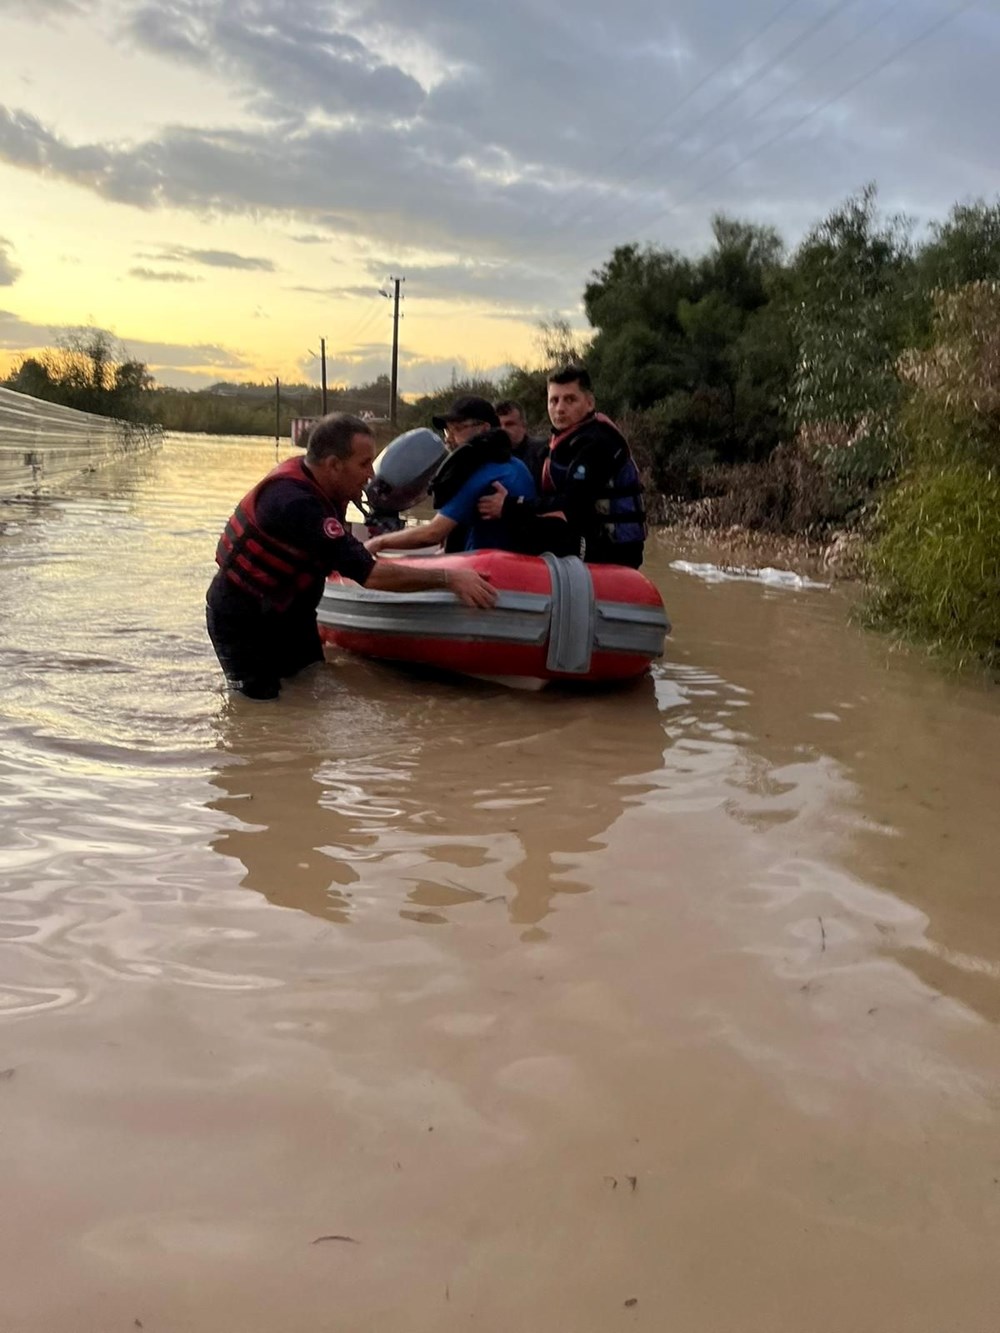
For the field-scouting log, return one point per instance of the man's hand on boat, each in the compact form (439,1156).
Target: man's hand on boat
(468,585)
(491,506)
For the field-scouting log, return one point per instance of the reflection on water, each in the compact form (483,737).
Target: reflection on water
(445,967)
(888,772)
(375,804)
(372,790)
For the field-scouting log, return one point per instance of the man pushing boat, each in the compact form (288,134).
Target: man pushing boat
(282,541)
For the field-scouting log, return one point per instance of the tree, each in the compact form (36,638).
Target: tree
(690,348)
(935,566)
(632,303)
(88,370)
(964,249)
(31,377)
(420,411)
(853,295)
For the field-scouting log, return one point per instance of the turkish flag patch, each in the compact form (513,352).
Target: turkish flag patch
(332,529)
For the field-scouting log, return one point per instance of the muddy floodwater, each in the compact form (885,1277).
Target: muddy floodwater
(407,1006)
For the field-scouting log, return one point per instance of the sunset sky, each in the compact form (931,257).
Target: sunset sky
(222,182)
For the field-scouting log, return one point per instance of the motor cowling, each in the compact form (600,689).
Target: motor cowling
(403,470)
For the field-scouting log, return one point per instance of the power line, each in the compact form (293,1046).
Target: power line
(760,111)
(367,317)
(829,101)
(365,322)
(634,142)
(820,106)
(749,82)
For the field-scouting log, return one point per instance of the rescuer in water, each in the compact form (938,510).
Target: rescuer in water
(283,539)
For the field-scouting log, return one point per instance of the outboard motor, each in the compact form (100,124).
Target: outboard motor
(403,471)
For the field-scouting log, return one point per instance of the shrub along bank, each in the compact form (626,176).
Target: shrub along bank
(934,565)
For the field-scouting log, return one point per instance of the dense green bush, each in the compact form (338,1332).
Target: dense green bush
(935,569)
(692,352)
(256,409)
(935,563)
(420,411)
(852,282)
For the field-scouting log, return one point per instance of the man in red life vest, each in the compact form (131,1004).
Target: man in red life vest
(591,492)
(282,540)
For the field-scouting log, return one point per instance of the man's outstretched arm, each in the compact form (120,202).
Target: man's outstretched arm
(468,586)
(433,533)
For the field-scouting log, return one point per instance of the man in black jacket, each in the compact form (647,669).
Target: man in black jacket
(530,451)
(591,489)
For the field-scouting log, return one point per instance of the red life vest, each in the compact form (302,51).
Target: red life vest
(271,570)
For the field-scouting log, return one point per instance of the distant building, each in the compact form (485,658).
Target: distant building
(301,426)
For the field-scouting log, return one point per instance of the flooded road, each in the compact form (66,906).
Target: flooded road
(411,1006)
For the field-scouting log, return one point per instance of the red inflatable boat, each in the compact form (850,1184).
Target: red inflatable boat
(555,619)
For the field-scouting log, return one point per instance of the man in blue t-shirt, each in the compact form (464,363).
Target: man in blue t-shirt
(479,456)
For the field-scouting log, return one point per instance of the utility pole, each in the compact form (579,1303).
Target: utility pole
(322,357)
(393,379)
(277,411)
(395,354)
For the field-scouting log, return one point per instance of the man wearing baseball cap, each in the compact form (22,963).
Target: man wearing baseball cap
(479,456)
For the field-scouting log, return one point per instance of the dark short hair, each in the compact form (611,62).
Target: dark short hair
(508,405)
(571,375)
(333,436)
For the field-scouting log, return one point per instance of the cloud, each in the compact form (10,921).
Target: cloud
(44,9)
(478,283)
(211,258)
(417,373)
(291,57)
(338,293)
(498,153)
(153,275)
(185,356)
(9,271)
(20,335)
(246,172)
